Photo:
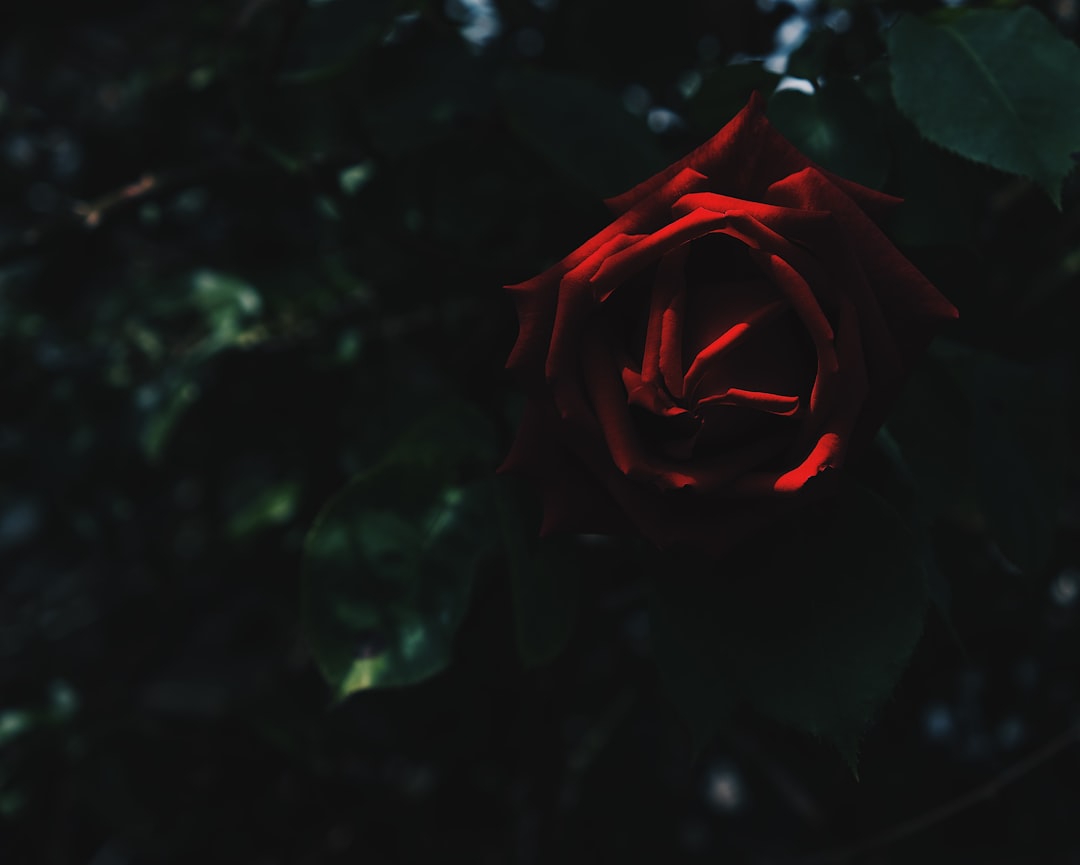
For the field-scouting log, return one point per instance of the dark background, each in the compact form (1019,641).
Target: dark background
(193,364)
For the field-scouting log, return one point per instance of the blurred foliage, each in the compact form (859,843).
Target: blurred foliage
(247,247)
(388,563)
(836,126)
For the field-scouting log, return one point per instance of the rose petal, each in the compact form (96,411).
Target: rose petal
(662,359)
(537,299)
(827,454)
(905,294)
(782,220)
(648,396)
(805,303)
(747,156)
(573,499)
(621,265)
(574,301)
(610,405)
(618,431)
(748,152)
(728,340)
(771,403)
(671,345)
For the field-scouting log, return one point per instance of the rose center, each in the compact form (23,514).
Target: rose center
(725,358)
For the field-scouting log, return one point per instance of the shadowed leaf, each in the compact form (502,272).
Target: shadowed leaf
(1001,88)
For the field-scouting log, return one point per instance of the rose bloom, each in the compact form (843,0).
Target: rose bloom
(709,360)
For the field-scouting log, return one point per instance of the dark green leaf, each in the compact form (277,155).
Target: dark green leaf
(546,583)
(581,129)
(1001,88)
(939,189)
(812,629)
(164,405)
(940,192)
(836,126)
(389,562)
(274,505)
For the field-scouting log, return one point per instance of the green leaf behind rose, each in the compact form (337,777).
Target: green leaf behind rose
(1001,88)
(811,627)
(837,126)
(724,92)
(389,563)
(581,130)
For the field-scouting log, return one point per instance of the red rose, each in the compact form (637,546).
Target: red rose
(731,336)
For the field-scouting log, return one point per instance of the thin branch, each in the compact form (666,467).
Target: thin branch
(86,216)
(950,809)
(93,212)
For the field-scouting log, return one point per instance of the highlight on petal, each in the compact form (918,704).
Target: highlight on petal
(728,340)
(662,360)
(670,350)
(631,259)
(771,403)
(827,454)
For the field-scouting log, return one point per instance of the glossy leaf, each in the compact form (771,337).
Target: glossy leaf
(998,87)
(940,191)
(389,563)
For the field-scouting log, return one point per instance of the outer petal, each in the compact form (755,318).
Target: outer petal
(909,301)
(743,159)
(662,361)
(537,299)
(573,499)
